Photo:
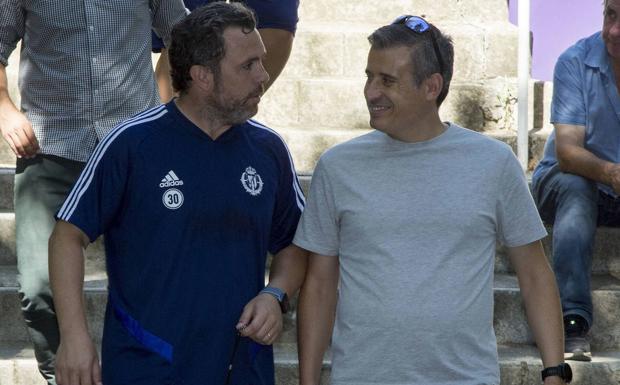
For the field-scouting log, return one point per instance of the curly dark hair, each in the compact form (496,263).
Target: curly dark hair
(198,39)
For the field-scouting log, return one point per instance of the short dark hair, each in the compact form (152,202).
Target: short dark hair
(424,61)
(198,39)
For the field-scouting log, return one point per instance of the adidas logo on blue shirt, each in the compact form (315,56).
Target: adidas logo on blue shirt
(171,179)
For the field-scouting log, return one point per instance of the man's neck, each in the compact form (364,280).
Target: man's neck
(422,130)
(197,113)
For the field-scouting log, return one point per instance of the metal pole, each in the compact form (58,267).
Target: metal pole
(524,79)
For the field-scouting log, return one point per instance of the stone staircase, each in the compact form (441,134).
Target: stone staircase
(318,102)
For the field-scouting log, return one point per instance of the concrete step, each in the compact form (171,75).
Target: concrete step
(509,320)
(321,87)
(7,176)
(95,255)
(306,146)
(317,104)
(369,11)
(325,106)
(605,258)
(322,49)
(511,325)
(519,365)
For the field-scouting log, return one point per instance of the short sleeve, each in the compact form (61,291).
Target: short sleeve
(518,220)
(568,105)
(11,28)
(289,203)
(318,229)
(97,196)
(166,13)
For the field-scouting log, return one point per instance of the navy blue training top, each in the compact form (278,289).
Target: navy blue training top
(188,222)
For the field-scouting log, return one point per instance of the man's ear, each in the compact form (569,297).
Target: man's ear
(433,86)
(202,77)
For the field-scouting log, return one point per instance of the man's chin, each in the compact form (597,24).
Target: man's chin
(243,116)
(252,111)
(375,124)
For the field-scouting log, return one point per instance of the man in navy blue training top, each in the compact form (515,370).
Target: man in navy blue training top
(190,196)
(276,24)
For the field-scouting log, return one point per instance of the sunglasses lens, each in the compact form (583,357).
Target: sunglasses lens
(419,25)
(416,24)
(400,19)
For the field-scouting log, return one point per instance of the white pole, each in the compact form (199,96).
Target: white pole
(524,78)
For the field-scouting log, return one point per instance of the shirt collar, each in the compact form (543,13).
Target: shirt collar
(596,55)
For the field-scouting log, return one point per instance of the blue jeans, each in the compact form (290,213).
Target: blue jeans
(575,207)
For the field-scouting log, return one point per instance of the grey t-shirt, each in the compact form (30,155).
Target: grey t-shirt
(415,227)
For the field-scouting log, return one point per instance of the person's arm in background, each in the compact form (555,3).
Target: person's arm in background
(15,127)
(166,13)
(278,43)
(574,158)
(162,76)
(569,114)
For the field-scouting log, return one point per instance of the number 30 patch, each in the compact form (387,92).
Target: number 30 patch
(172,198)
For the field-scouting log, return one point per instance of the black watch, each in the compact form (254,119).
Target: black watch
(279,295)
(563,371)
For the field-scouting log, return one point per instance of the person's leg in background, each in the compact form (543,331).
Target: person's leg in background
(570,203)
(41,185)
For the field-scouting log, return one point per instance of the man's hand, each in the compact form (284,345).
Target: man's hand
(77,362)
(261,319)
(613,175)
(18,133)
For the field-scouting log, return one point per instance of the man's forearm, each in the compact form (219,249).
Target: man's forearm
(542,304)
(288,269)
(316,313)
(541,298)
(579,161)
(66,268)
(315,321)
(5,99)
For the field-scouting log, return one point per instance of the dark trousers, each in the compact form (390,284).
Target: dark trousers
(575,207)
(41,185)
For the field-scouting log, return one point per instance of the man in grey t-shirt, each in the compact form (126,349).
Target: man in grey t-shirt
(405,221)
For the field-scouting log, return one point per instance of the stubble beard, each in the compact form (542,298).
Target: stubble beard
(231,111)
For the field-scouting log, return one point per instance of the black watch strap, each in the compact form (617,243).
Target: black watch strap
(563,371)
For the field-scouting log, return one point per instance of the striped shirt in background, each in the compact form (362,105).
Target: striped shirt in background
(85,65)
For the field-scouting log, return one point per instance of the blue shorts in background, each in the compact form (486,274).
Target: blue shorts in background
(278,14)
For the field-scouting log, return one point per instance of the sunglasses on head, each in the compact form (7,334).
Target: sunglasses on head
(421,26)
